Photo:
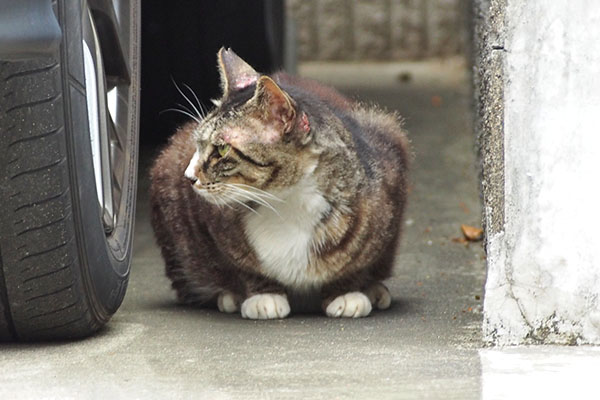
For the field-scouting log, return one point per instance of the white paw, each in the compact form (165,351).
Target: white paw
(227,302)
(350,305)
(379,295)
(266,306)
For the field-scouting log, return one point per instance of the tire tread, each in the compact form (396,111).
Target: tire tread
(44,291)
(33,103)
(34,137)
(33,71)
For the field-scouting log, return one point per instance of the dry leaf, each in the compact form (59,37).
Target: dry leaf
(471,233)
(460,240)
(436,101)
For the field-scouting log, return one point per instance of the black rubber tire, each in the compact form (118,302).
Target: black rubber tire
(61,275)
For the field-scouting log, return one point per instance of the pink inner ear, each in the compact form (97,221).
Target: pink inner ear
(244,81)
(304,125)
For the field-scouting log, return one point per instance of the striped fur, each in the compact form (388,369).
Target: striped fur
(285,187)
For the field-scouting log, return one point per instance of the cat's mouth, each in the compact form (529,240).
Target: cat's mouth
(207,188)
(201,185)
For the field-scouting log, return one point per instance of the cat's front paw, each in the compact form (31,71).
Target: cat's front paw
(349,305)
(266,306)
(379,295)
(228,302)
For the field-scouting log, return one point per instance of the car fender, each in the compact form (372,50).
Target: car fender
(28,29)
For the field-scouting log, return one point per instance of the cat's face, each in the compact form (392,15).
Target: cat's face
(252,142)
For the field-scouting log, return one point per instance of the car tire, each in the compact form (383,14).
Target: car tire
(68,172)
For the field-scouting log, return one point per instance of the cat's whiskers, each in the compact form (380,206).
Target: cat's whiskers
(210,196)
(200,107)
(236,192)
(217,201)
(204,193)
(256,190)
(190,112)
(185,108)
(222,202)
(256,197)
(232,198)
(198,113)
(183,112)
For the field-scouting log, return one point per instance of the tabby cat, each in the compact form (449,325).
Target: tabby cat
(285,188)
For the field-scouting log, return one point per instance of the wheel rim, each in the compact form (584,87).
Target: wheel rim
(108,86)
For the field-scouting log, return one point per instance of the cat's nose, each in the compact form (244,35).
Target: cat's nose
(193,178)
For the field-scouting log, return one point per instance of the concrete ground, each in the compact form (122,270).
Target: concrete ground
(425,346)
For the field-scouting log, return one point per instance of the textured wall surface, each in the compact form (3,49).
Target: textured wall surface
(539,89)
(489,52)
(379,29)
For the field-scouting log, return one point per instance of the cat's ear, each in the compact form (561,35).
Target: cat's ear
(275,105)
(235,73)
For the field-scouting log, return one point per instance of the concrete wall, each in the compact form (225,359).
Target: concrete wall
(538,81)
(379,29)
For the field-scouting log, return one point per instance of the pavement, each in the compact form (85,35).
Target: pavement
(427,345)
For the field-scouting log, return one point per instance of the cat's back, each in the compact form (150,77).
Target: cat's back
(309,89)
(376,135)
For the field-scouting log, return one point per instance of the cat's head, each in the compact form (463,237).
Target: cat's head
(256,139)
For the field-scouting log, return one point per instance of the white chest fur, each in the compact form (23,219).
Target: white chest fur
(283,241)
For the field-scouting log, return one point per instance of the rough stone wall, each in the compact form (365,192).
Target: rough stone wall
(488,74)
(379,29)
(538,95)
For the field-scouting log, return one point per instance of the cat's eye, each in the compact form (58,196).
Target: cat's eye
(223,149)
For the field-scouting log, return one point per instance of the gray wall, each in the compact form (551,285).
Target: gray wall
(379,29)
(538,96)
